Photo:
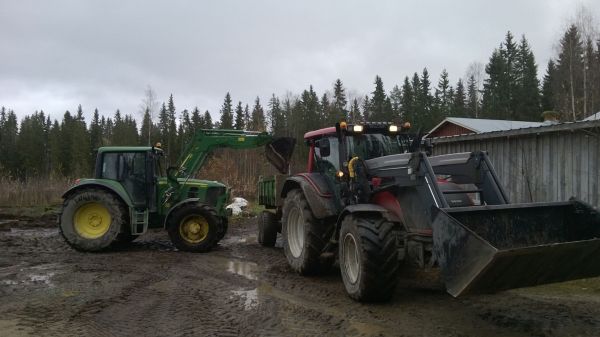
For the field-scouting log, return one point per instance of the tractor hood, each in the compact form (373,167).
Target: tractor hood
(279,152)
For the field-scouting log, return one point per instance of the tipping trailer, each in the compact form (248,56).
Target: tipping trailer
(372,200)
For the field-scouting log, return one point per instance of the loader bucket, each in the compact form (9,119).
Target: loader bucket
(279,152)
(492,248)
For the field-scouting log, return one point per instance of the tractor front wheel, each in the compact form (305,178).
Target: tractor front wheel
(368,257)
(194,228)
(91,219)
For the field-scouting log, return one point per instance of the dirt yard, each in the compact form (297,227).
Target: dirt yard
(242,289)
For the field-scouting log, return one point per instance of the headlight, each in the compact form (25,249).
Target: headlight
(357,128)
(393,128)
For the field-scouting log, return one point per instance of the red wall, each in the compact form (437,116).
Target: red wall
(449,129)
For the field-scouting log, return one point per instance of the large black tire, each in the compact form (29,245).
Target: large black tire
(268,226)
(368,256)
(194,228)
(100,209)
(303,235)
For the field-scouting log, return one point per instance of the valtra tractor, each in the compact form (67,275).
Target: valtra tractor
(373,201)
(132,191)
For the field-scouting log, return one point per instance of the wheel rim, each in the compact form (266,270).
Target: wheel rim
(351,265)
(92,220)
(295,233)
(194,228)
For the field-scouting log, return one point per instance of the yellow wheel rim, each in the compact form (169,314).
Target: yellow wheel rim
(194,228)
(92,220)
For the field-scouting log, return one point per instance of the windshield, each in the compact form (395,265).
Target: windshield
(373,145)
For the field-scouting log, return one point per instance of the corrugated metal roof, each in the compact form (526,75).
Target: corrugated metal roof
(593,117)
(479,125)
(542,128)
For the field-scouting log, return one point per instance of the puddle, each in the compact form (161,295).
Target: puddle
(245,269)
(41,278)
(34,275)
(42,233)
(250,298)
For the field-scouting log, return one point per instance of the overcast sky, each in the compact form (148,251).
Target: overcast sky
(55,55)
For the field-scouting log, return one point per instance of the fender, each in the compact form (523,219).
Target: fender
(367,208)
(107,185)
(179,205)
(317,193)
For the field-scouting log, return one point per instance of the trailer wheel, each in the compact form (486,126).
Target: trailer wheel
(193,228)
(302,235)
(91,219)
(267,229)
(368,257)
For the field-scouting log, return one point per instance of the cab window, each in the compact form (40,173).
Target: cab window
(332,161)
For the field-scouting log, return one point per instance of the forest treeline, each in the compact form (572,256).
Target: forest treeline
(507,87)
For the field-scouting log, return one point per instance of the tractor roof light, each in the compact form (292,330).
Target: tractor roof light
(357,128)
(393,128)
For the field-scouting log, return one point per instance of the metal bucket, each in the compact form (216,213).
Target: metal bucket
(492,248)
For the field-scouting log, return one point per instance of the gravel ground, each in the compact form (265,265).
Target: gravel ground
(243,289)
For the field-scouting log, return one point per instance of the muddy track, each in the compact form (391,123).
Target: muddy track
(242,289)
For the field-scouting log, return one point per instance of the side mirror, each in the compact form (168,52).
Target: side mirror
(324,147)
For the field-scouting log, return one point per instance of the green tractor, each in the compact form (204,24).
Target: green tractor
(132,191)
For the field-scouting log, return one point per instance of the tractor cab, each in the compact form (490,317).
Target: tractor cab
(137,169)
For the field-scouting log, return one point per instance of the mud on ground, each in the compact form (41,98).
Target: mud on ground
(242,289)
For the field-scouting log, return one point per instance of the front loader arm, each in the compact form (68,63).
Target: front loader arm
(202,145)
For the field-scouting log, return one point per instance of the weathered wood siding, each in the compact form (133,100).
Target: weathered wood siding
(549,163)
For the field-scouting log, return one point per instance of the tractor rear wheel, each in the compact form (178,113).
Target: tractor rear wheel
(368,257)
(267,229)
(91,219)
(302,235)
(194,228)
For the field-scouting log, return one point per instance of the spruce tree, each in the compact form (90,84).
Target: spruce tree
(495,103)
(407,101)
(379,106)
(339,101)
(425,102)
(95,137)
(257,122)
(443,97)
(208,123)
(526,96)
(197,120)
(473,108)
(547,87)
(276,117)
(226,114)
(9,159)
(459,102)
(239,117)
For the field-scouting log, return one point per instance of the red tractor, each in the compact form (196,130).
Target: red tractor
(373,201)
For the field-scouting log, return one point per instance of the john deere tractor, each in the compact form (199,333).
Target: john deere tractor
(132,191)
